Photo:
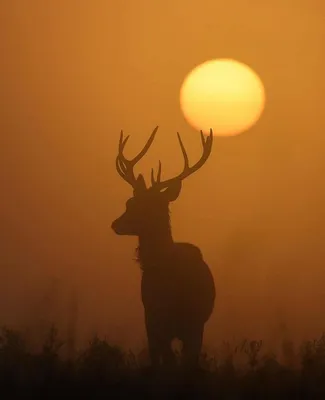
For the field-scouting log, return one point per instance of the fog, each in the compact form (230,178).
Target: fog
(73,74)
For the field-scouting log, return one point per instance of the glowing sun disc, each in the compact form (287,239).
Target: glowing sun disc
(222,94)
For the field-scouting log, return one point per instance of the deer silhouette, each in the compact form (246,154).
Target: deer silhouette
(177,286)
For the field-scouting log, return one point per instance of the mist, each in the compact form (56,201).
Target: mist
(73,75)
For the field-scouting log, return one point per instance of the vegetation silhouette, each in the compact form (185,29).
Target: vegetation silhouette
(177,286)
(102,369)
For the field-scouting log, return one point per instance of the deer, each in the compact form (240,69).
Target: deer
(177,286)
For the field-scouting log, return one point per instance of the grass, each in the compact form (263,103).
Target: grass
(103,370)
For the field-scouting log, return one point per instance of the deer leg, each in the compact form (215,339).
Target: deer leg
(154,350)
(168,356)
(192,344)
(153,343)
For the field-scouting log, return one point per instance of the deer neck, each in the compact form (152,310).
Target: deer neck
(154,249)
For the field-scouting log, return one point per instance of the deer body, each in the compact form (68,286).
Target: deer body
(180,286)
(177,286)
(178,297)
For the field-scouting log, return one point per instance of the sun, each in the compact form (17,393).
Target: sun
(223,94)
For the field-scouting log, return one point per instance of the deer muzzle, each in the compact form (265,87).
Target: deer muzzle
(116,227)
(123,226)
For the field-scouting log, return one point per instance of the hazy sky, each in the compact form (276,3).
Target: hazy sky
(73,73)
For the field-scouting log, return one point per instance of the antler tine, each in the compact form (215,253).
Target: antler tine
(186,161)
(121,161)
(153,180)
(119,168)
(207,147)
(159,172)
(122,143)
(124,173)
(146,147)
(123,165)
(202,137)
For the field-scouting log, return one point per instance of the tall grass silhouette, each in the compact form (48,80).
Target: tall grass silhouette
(102,368)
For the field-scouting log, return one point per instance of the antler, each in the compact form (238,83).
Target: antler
(124,166)
(157,184)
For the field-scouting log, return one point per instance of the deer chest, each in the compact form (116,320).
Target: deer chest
(160,288)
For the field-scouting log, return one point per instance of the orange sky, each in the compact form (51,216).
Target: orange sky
(74,73)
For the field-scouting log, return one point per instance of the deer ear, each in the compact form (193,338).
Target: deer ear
(172,191)
(140,185)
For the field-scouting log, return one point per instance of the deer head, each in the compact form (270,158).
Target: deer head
(148,210)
